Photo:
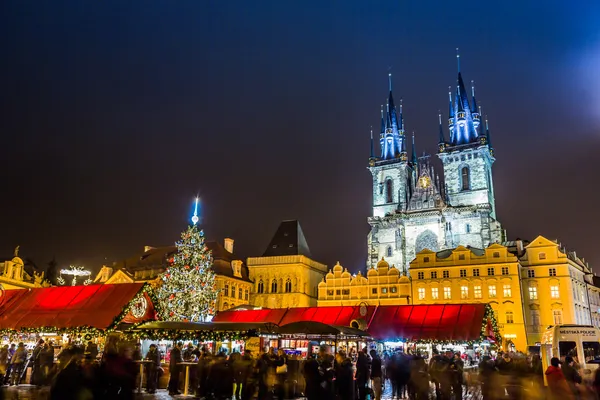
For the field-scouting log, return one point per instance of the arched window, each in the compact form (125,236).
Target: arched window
(261,287)
(274,286)
(388,251)
(389,191)
(465,178)
(240,293)
(288,285)
(233,291)
(226,290)
(246,295)
(225,306)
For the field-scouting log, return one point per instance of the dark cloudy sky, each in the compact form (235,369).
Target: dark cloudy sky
(115,114)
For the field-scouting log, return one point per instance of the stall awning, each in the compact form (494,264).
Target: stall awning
(265,315)
(340,315)
(63,307)
(444,322)
(320,329)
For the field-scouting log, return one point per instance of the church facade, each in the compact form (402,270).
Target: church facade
(414,207)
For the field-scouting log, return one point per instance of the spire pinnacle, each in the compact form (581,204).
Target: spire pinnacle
(442,139)
(401,115)
(414,150)
(195,218)
(390,80)
(458,60)
(472,88)
(372,145)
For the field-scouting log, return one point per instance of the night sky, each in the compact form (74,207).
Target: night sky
(115,114)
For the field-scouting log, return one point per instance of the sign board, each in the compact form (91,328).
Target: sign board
(253,344)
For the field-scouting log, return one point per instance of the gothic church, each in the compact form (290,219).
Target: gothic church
(414,207)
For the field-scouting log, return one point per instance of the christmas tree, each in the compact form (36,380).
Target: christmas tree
(188,291)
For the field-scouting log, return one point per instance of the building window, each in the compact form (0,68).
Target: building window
(240,293)
(393,289)
(389,191)
(552,271)
(461,256)
(447,293)
(492,291)
(226,291)
(388,251)
(542,256)
(274,286)
(288,285)
(383,290)
(225,306)
(533,293)
(464,292)
(554,292)
(434,275)
(477,292)
(510,317)
(374,291)
(330,293)
(425,259)
(465,178)
(261,287)
(246,295)
(557,314)
(421,292)
(435,293)
(233,291)
(504,270)
(475,271)
(446,274)
(463,273)
(468,228)
(491,271)
(496,254)
(345,292)
(421,275)
(535,319)
(338,292)
(531,273)
(507,291)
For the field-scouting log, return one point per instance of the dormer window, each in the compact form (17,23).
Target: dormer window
(425,259)
(542,256)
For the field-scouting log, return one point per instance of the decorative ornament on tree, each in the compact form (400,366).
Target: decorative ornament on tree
(189,294)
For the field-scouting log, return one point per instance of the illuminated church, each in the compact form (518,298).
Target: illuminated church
(414,207)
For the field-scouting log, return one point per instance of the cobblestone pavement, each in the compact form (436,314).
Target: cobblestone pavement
(27,392)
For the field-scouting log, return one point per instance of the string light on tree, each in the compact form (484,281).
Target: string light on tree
(75,272)
(188,291)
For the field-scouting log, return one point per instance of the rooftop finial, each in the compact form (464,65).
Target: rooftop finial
(372,145)
(450,93)
(473,88)
(458,60)
(390,80)
(440,117)
(195,218)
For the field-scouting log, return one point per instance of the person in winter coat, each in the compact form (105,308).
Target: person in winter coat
(18,363)
(557,384)
(313,378)
(281,374)
(376,375)
(571,375)
(152,367)
(363,370)
(36,370)
(174,368)
(344,377)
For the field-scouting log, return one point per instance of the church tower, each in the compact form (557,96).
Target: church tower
(392,174)
(467,160)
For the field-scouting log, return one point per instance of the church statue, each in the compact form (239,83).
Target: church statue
(17,251)
(38,278)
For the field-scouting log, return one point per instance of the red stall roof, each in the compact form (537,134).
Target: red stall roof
(340,315)
(265,315)
(452,322)
(66,306)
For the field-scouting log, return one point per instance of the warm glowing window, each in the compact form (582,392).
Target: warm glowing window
(464,292)
(557,314)
(477,292)
(435,293)
(421,292)
(554,292)
(492,291)
(533,293)
(447,293)
(261,287)
(507,291)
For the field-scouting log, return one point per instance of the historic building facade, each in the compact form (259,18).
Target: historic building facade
(232,277)
(286,275)
(414,207)
(13,274)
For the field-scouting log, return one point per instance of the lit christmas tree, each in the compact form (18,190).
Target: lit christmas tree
(188,291)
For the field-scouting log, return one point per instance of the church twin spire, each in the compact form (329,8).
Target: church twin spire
(392,138)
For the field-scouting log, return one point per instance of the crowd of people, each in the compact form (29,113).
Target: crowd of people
(81,372)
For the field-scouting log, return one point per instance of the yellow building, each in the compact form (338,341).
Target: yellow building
(231,274)
(14,276)
(558,288)
(469,275)
(383,285)
(286,275)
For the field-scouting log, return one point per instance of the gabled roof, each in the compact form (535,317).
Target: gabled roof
(289,240)
(541,241)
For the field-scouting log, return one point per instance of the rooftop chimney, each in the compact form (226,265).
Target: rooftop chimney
(229,245)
